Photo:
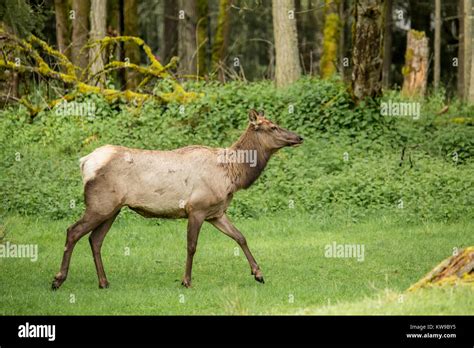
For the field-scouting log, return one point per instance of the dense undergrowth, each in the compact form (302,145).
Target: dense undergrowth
(354,162)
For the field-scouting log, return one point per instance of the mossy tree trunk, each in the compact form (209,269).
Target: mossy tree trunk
(343,6)
(98,19)
(62,29)
(131,50)
(187,48)
(80,32)
(287,68)
(202,34)
(387,45)
(221,39)
(367,48)
(170,48)
(415,71)
(332,28)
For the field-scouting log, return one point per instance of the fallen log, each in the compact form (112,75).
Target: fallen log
(456,269)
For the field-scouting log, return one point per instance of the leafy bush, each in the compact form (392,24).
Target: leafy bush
(350,163)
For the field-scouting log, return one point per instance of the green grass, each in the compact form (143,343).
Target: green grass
(289,249)
(435,301)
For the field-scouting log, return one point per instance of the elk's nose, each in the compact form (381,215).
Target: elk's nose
(300,138)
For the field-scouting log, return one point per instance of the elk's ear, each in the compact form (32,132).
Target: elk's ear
(262,113)
(253,114)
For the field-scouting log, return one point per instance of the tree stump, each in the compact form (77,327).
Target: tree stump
(415,71)
(367,49)
(458,268)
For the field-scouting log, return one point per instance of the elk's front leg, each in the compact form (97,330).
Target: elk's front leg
(224,225)
(194,226)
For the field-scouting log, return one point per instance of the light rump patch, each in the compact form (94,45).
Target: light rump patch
(91,163)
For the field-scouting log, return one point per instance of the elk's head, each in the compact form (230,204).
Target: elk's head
(271,135)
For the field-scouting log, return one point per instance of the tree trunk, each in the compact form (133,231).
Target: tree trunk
(300,31)
(415,71)
(316,25)
(114,15)
(80,31)
(170,48)
(464,51)
(419,19)
(98,27)
(287,68)
(187,37)
(460,82)
(62,32)
(15,85)
(467,8)
(342,37)
(332,26)
(202,33)
(470,97)
(131,50)
(221,39)
(367,48)
(387,45)
(437,45)
(115,28)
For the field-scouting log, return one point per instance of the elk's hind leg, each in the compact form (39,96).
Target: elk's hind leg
(75,232)
(95,239)
(100,207)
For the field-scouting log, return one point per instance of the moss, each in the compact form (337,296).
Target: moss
(417,38)
(81,85)
(62,59)
(463,120)
(409,55)
(418,34)
(219,38)
(332,25)
(462,275)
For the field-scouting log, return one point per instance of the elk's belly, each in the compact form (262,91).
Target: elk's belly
(160,196)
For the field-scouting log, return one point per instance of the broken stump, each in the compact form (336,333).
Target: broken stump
(458,268)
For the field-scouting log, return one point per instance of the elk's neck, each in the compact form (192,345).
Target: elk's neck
(247,147)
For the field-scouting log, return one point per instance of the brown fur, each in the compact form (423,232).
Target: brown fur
(189,182)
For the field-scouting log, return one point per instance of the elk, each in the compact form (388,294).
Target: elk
(193,182)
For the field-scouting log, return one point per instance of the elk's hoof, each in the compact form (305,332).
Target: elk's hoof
(258,276)
(56,284)
(104,285)
(186,283)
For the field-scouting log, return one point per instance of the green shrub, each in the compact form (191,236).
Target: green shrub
(349,165)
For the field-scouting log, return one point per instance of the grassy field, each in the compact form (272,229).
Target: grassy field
(290,250)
